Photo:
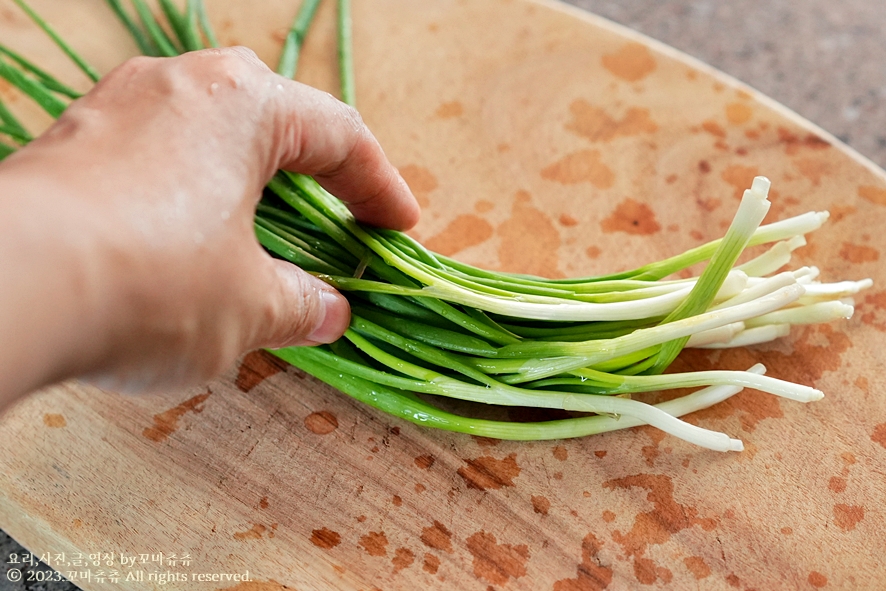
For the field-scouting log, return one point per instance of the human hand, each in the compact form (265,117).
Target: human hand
(129,224)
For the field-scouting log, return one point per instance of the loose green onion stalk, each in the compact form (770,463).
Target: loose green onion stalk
(425,326)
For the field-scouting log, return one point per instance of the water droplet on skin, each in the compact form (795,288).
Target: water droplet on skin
(280,87)
(213,87)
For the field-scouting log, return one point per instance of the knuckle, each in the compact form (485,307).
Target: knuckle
(352,117)
(137,64)
(232,63)
(286,316)
(300,317)
(356,141)
(131,68)
(235,61)
(77,120)
(244,53)
(211,65)
(269,313)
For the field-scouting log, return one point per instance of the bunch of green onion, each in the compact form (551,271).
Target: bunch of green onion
(425,326)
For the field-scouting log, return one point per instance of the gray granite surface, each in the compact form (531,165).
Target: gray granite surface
(825,60)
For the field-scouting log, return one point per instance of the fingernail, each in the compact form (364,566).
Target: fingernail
(336,317)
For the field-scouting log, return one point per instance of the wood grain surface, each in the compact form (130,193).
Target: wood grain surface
(543,140)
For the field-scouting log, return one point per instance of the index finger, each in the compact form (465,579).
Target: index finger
(321,136)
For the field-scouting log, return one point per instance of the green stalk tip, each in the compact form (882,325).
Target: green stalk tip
(69,51)
(296,37)
(346,53)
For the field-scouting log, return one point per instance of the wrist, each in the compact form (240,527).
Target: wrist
(50,281)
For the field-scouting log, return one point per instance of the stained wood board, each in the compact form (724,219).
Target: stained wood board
(539,139)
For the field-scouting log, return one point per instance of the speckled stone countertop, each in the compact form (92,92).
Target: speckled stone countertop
(824,60)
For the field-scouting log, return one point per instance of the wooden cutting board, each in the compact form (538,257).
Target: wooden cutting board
(539,139)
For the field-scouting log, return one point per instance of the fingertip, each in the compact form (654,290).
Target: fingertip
(335,318)
(393,207)
(410,210)
(328,313)
(308,311)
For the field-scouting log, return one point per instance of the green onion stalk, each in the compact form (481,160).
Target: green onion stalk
(426,327)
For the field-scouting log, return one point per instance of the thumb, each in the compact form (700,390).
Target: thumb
(304,310)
